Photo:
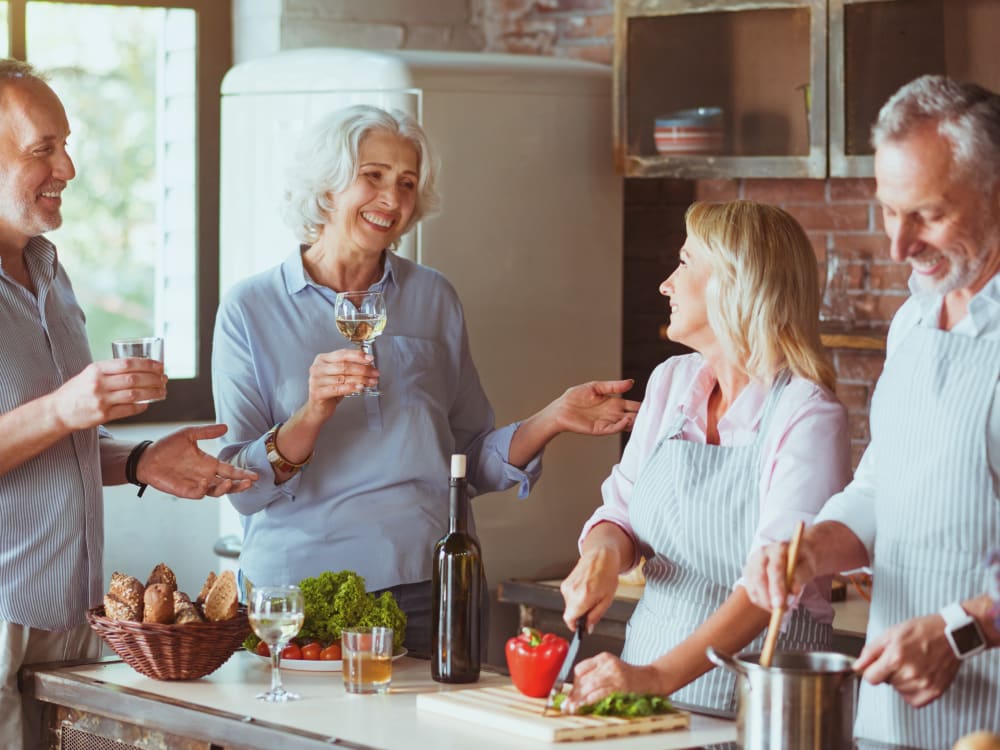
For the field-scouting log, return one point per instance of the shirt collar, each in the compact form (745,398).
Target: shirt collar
(743,414)
(984,308)
(41,257)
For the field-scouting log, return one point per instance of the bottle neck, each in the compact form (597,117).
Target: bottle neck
(458,506)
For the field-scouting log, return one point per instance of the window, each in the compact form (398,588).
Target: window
(140,81)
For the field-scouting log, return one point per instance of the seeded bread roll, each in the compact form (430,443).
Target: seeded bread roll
(222,600)
(184,609)
(124,600)
(162,574)
(203,594)
(159,604)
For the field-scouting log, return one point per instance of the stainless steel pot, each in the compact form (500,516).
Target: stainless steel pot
(805,700)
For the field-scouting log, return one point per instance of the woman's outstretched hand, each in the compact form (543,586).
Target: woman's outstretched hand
(596,408)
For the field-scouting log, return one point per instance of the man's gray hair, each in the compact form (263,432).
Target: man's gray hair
(19,69)
(966,114)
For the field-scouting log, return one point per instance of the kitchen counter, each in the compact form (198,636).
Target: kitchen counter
(109,699)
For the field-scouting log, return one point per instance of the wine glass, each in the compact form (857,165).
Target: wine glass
(276,614)
(360,319)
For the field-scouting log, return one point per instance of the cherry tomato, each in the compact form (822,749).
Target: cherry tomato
(331,653)
(262,649)
(311,651)
(291,651)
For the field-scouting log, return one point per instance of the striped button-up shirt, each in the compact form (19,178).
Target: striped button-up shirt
(51,519)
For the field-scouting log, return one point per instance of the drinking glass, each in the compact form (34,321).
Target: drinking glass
(276,614)
(145,347)
(367,655)
(360,319)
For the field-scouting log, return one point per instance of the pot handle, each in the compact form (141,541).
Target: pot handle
(725,661)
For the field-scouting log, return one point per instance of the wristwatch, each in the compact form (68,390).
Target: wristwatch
(962,631)
(279,462)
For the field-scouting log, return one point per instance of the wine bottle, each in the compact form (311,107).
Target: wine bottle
(456,579)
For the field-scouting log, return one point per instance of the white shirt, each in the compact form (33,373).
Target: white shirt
(855,506)
(805,457)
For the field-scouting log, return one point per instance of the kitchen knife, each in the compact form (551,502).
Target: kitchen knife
(567,665)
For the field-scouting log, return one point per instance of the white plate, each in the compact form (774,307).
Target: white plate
(314,665)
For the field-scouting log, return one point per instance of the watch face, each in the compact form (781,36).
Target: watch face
(967,638)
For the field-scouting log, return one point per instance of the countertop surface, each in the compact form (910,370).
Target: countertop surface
(223,704)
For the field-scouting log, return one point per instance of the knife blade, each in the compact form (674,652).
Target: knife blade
(567,665)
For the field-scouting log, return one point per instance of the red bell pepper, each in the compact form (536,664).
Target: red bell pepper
(534,659)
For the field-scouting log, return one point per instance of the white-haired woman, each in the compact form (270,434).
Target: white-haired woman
(373,497)
(733,445)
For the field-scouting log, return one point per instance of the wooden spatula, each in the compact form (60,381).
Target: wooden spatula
(779,612)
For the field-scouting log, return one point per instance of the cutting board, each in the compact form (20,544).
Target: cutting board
(507,709)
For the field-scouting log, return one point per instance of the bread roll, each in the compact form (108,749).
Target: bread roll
(982,740)
(159,604)
(162,574)
(222,600)
(184,609)
(124,600)
(203,594)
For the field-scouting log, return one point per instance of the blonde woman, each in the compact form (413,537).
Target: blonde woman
(733,445)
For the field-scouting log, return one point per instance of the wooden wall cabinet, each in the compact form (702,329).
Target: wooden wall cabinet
(878,45)
(762,63)
(777,68)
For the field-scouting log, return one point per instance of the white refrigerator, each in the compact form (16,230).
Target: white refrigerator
(530,234)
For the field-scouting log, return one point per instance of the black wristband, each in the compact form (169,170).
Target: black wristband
(132,465)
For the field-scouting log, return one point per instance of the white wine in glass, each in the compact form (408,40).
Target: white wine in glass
(361,318)
(276,615)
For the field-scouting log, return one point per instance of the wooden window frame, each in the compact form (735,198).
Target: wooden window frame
(190,399)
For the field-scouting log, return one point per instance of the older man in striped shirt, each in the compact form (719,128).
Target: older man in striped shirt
(54,457)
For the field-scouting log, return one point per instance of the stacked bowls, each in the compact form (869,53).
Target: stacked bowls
(689,131)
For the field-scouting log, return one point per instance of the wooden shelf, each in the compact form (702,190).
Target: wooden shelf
(760,62)
(872,342)
(870,339)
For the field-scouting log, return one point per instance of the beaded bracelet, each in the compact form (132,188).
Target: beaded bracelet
(132,465)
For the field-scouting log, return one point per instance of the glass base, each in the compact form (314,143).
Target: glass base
(278,696)
(364,392)
(366,688)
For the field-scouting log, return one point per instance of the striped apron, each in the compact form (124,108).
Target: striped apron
(696,508)
(937,515)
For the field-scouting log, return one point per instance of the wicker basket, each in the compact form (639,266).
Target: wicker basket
(172,652)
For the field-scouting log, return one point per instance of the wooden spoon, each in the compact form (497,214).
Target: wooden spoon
(779,612)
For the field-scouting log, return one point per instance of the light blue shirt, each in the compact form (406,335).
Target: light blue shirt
(51,515)
(374,497)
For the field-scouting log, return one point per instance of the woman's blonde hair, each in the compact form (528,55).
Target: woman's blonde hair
(763,294)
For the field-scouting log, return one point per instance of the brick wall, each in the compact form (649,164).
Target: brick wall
(840,215)
(264,27)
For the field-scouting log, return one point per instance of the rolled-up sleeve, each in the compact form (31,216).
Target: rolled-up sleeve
(855,506)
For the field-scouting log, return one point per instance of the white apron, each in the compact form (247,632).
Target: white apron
(697,506)
(937,516)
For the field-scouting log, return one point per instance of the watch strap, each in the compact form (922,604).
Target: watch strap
(279,462)
(957,621)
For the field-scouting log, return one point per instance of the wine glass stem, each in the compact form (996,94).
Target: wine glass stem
(276,686)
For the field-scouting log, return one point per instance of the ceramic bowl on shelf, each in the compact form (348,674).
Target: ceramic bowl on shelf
(689,131)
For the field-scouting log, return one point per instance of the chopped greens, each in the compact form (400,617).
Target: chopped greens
(624,705)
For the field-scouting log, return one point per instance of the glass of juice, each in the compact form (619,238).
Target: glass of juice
(367,655)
